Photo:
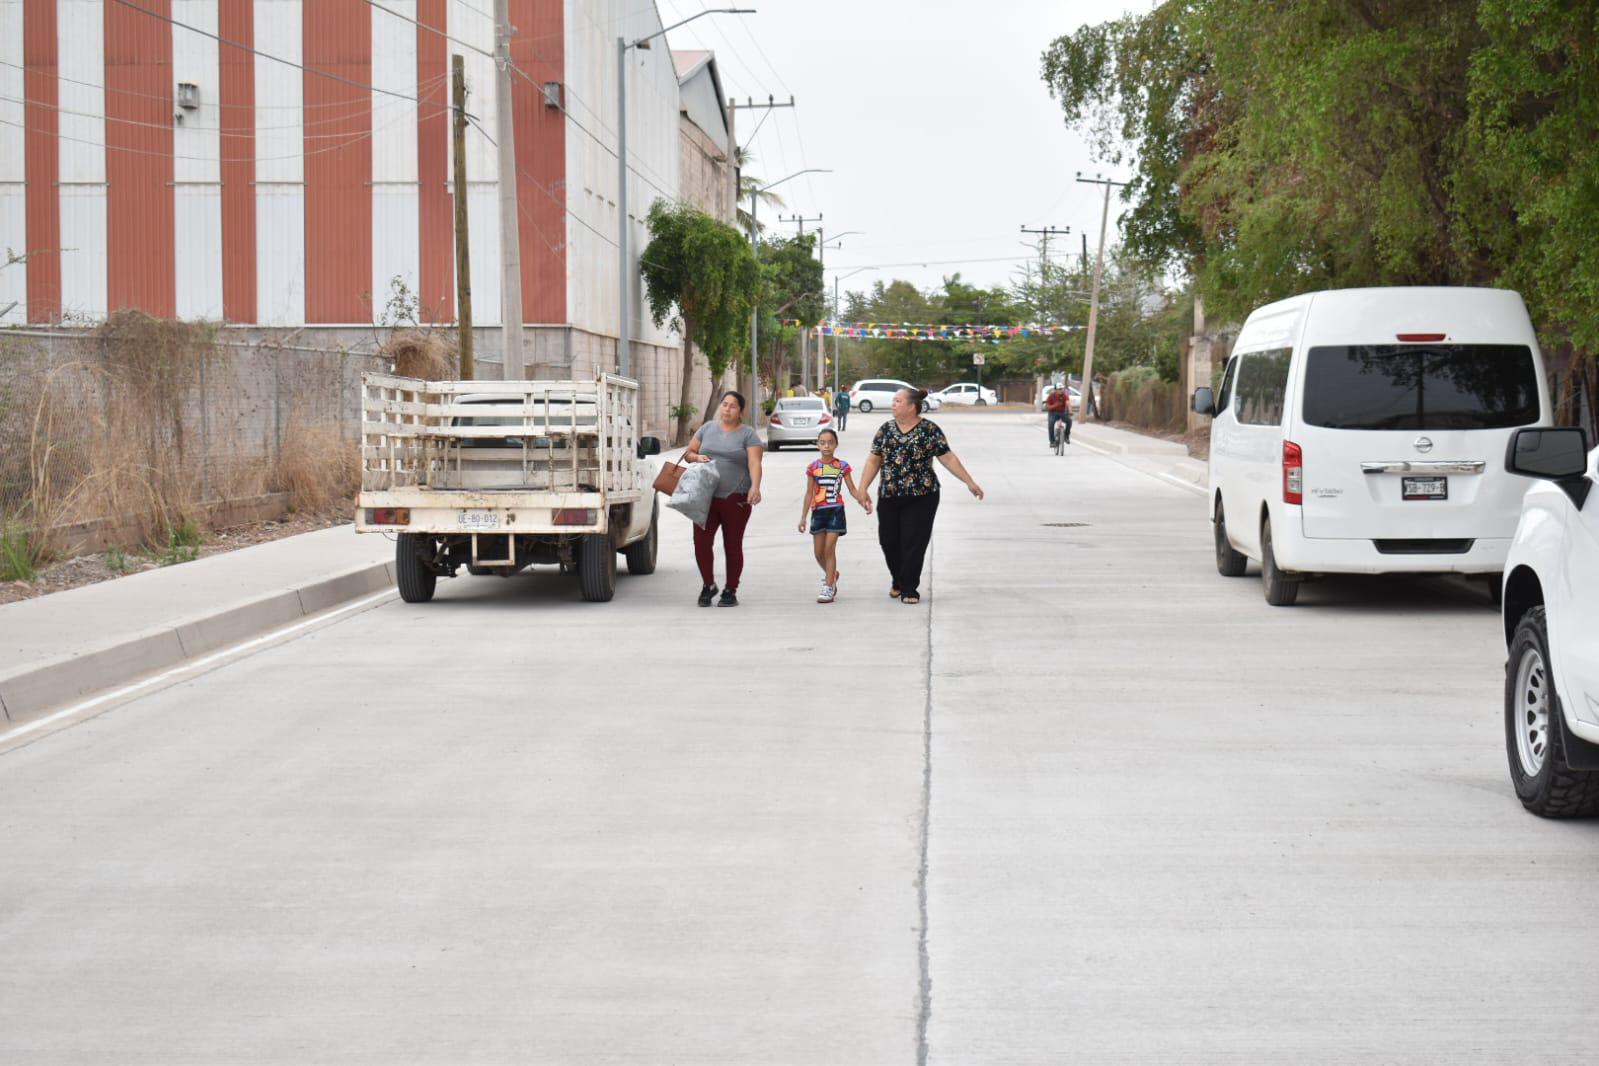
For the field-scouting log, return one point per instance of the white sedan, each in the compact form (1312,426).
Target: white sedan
(965,392)
(1551,619)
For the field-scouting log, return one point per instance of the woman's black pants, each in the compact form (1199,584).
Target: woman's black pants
(904,528)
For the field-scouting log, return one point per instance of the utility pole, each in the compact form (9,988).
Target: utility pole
(771,105)
(755,238)
(1045,234)
(510,235)
(463,261)
(1093,299)
(805,331)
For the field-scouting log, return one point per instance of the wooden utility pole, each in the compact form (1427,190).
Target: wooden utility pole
(510,232)
(463,261)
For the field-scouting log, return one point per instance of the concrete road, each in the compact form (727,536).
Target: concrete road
(1088,803)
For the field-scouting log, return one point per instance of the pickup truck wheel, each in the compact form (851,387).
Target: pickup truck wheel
(1230,562)
(597,567)
(415,578)
(1281,589)
(641,556)
(1544,783)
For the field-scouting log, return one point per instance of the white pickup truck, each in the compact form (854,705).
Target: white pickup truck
(496,476)
(1551,618)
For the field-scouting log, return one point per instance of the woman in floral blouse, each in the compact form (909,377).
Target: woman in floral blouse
(903,451)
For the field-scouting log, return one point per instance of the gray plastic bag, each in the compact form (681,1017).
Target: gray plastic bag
(694,491)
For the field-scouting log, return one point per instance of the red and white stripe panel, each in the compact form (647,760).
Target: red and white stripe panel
(276,195)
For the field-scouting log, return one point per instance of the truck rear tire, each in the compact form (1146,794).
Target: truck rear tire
(641,556)
(596,567)
(414,577)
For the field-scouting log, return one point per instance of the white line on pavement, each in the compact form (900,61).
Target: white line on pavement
(1118,457)
(192,666)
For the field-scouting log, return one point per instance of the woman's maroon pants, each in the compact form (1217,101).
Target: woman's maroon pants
(730,514)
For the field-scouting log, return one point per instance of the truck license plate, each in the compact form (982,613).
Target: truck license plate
(480,520)
(1426,488)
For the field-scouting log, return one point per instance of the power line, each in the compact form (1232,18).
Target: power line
(431,29)
(264,55)
(934,262)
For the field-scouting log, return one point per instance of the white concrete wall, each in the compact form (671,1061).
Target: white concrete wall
(13,168)
(197,164)
(279,166)
(80,56)
(592,27)
(396,195)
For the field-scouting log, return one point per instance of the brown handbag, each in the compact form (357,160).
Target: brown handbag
(666,481)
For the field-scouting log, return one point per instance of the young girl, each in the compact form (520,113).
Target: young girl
(825,480)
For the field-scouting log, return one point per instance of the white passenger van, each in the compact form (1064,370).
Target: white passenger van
(1364,431)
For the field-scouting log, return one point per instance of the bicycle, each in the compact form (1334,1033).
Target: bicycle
(1060,437)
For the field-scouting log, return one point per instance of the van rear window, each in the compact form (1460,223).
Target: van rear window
(1411,386)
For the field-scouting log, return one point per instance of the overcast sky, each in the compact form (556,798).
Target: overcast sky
(941,136)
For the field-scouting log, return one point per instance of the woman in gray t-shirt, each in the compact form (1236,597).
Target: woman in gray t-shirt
(737,451)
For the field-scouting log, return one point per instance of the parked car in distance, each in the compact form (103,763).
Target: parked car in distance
(1359,431)
(797,420)
(968,394)
(1075,397)
(875,394)
(1551,619)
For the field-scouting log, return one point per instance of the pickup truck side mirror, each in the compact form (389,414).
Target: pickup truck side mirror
(649,446)
(1204,401)
(1558,455)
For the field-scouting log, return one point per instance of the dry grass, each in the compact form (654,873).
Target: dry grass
(316,467)
(421,355)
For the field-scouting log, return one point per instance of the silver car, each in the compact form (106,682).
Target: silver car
(797,421)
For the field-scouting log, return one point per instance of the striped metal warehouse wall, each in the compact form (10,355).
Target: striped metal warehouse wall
(306,183)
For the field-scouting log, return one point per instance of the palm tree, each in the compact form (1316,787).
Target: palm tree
(748,186)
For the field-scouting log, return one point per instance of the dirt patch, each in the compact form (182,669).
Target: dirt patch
(106,566)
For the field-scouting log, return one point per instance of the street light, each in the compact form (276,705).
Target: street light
(837,242)
(624,341)
(755,315)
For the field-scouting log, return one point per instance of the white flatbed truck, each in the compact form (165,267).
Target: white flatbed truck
(497,476)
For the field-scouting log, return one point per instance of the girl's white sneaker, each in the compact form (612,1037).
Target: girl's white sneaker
(828,594)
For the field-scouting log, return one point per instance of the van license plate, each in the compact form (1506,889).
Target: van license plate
(1426,488)
(480,520)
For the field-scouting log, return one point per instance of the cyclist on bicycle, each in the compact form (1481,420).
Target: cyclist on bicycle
(1058,404)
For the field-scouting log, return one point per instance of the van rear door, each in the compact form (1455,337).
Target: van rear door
(1405,442)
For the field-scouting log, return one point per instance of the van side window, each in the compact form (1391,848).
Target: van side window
(1262,387)
(1229,378)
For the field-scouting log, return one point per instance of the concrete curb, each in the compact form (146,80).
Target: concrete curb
(33,692)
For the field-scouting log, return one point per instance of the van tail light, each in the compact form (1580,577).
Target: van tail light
(575,516)
(1293,473)
(388,516)
(1421,338)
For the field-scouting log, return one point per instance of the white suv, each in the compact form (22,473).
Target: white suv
(875,394)
(1551,616)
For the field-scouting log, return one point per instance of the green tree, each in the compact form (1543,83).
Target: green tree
(1278,148)
(791,290)
(706,270)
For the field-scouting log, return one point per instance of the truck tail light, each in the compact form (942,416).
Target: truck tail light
(388,516)
(1293,473)
(576,516)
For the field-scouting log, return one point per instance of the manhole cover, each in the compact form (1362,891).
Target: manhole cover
(1065,525)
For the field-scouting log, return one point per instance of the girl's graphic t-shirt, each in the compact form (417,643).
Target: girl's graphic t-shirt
(829,477)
